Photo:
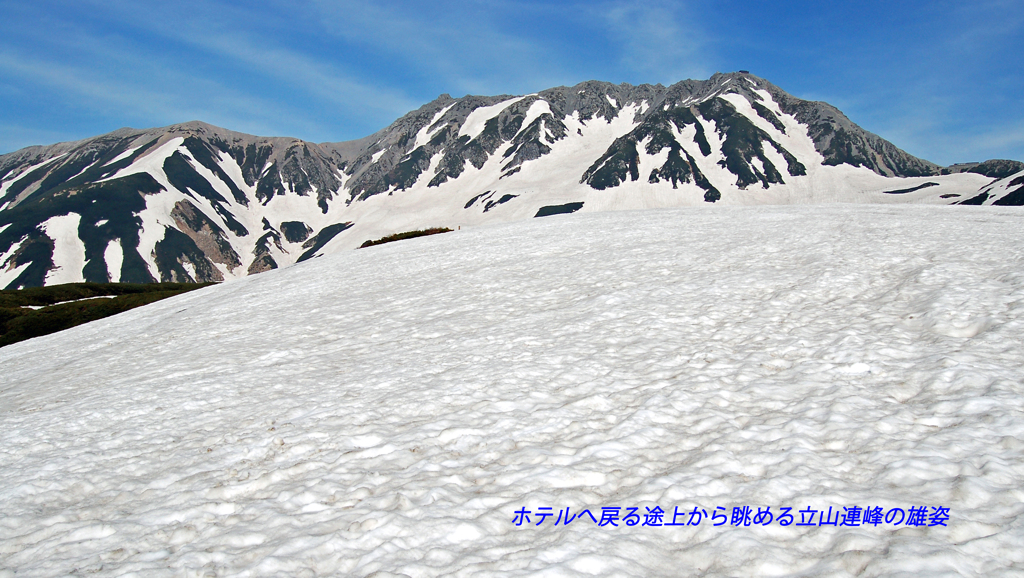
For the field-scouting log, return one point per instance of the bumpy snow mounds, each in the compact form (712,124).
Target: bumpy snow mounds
(390,409)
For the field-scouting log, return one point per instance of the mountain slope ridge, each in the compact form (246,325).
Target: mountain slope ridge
(195,202)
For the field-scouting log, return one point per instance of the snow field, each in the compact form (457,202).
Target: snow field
(68,249)
(388,409)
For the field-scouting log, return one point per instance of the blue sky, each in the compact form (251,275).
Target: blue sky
(941,79)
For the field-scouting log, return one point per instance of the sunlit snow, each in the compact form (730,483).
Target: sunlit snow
(127,153)
(68,249)
(424,134)
(389,409)
(113,256)
(477,120)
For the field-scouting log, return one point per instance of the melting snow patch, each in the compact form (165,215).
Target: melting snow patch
(8,276)
(68,249)
(122,156)
(152,163)
(71,301)
(538,108)
(113,256)
(424,134)
(477,120)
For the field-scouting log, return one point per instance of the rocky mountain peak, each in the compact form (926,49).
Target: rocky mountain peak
(197,202)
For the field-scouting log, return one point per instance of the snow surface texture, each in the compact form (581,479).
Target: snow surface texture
(388,409)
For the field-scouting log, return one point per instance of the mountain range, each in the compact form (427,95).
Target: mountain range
(193,202)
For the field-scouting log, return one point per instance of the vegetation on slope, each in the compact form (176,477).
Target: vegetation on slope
(405,235)
(37,311)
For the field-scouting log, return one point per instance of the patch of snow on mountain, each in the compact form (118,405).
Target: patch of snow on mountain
(11,179)
(153,162)
(641,194)
(477,120)
(28,168)
(795,139)
(758,166)
(154,227)
(556,175)
(299,208)
(249,219)
(122,156)
(711,166)
(11,251)
(68,249)
(7,276)
(6,184)
(388,410)
(230,167)
(222,189)
(424,134)
(537,108)
(995,191)
(9,272)
(113,256)
(551,179)
(79,173)
(189,268)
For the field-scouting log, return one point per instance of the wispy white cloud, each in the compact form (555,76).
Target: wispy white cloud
(514,47)
(336,69)
(943,128)
(472,47)
(16,136)
(658,39)
(982,22)
(941,88)
(301,72)
(143,71)
(1002,141)
(152,94)
(225,32)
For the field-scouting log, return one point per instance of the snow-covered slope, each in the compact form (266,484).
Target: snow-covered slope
(389,410)
(193,202)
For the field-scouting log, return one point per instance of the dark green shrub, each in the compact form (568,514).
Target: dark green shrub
(405,235)
(65,306)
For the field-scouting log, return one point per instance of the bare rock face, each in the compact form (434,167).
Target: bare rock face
(207,236)
(997,168)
